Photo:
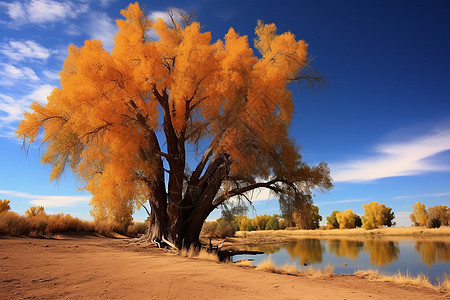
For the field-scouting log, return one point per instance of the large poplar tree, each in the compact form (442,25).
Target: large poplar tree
(125,121)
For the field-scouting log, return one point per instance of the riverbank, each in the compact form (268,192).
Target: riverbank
(93,267)
(387,233)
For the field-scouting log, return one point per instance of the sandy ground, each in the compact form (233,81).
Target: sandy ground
(93,268)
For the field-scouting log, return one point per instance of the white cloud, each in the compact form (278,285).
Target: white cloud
(408,158)
(261,194)
(343,201)
(12,72)
(402,219)
(154,15)
(48,201)
(43,11)
(21,50)
(51,75)
(166,17)
(12,109)
(424,196)
(102,27)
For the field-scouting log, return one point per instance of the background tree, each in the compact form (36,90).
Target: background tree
(35,211)
(308,217)
(388,217)
(346,219)
(376,215)
(332,221)
(273,223)
(419,216)
(4,205)
(123,120)
(438,216)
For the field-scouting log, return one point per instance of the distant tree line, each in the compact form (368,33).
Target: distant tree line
(435,217)
(375,215)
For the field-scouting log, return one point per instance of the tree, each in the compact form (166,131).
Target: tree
(376,215)
(294,207)
(346,219)
(4,205)
(308,217)
(123,120)
(332,221)
(273,223)
(35,211)
(388,217)
(438,216)
(419,216)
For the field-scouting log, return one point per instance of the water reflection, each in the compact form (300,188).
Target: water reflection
(430,251)
(346,248)
(308,250)
(382,253)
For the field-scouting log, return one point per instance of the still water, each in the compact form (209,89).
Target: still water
(431,258)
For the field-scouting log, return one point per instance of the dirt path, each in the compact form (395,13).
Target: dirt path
(92,268)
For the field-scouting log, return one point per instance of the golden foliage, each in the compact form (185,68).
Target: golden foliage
(346,219)
(419,216)
(376,215)
(4,205)
(35,211)
(102,121)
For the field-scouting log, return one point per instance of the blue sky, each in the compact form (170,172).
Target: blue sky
(382,121)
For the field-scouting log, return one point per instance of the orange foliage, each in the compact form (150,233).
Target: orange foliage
(102,121)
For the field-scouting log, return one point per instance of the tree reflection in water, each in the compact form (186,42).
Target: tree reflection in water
(308,250)
(347,248)
(431,250)
(382,253)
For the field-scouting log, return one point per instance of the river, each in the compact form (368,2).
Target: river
(431,258)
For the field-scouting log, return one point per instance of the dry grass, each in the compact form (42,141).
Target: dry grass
(200,254)
(205,255)
(13,224)
(405,279)
(267,265)
(244,263)
(289,269)
(327,271)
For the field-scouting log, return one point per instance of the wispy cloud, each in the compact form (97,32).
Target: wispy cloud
(12,108)
(261,194)
(47,201)
(343,201)
(407,158)
(18,50)
(175,11)
(423,196)
(11,73)
(102,27)
(42,11)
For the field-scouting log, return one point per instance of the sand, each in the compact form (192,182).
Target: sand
(95,267)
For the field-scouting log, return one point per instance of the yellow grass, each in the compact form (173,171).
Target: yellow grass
(244,263)
(405,279)
(327,271)
(202,254)
(205,255)
(289,269)
(268,266)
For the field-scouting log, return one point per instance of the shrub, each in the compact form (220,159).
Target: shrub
(332,221)
(273,223)
(4,205)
